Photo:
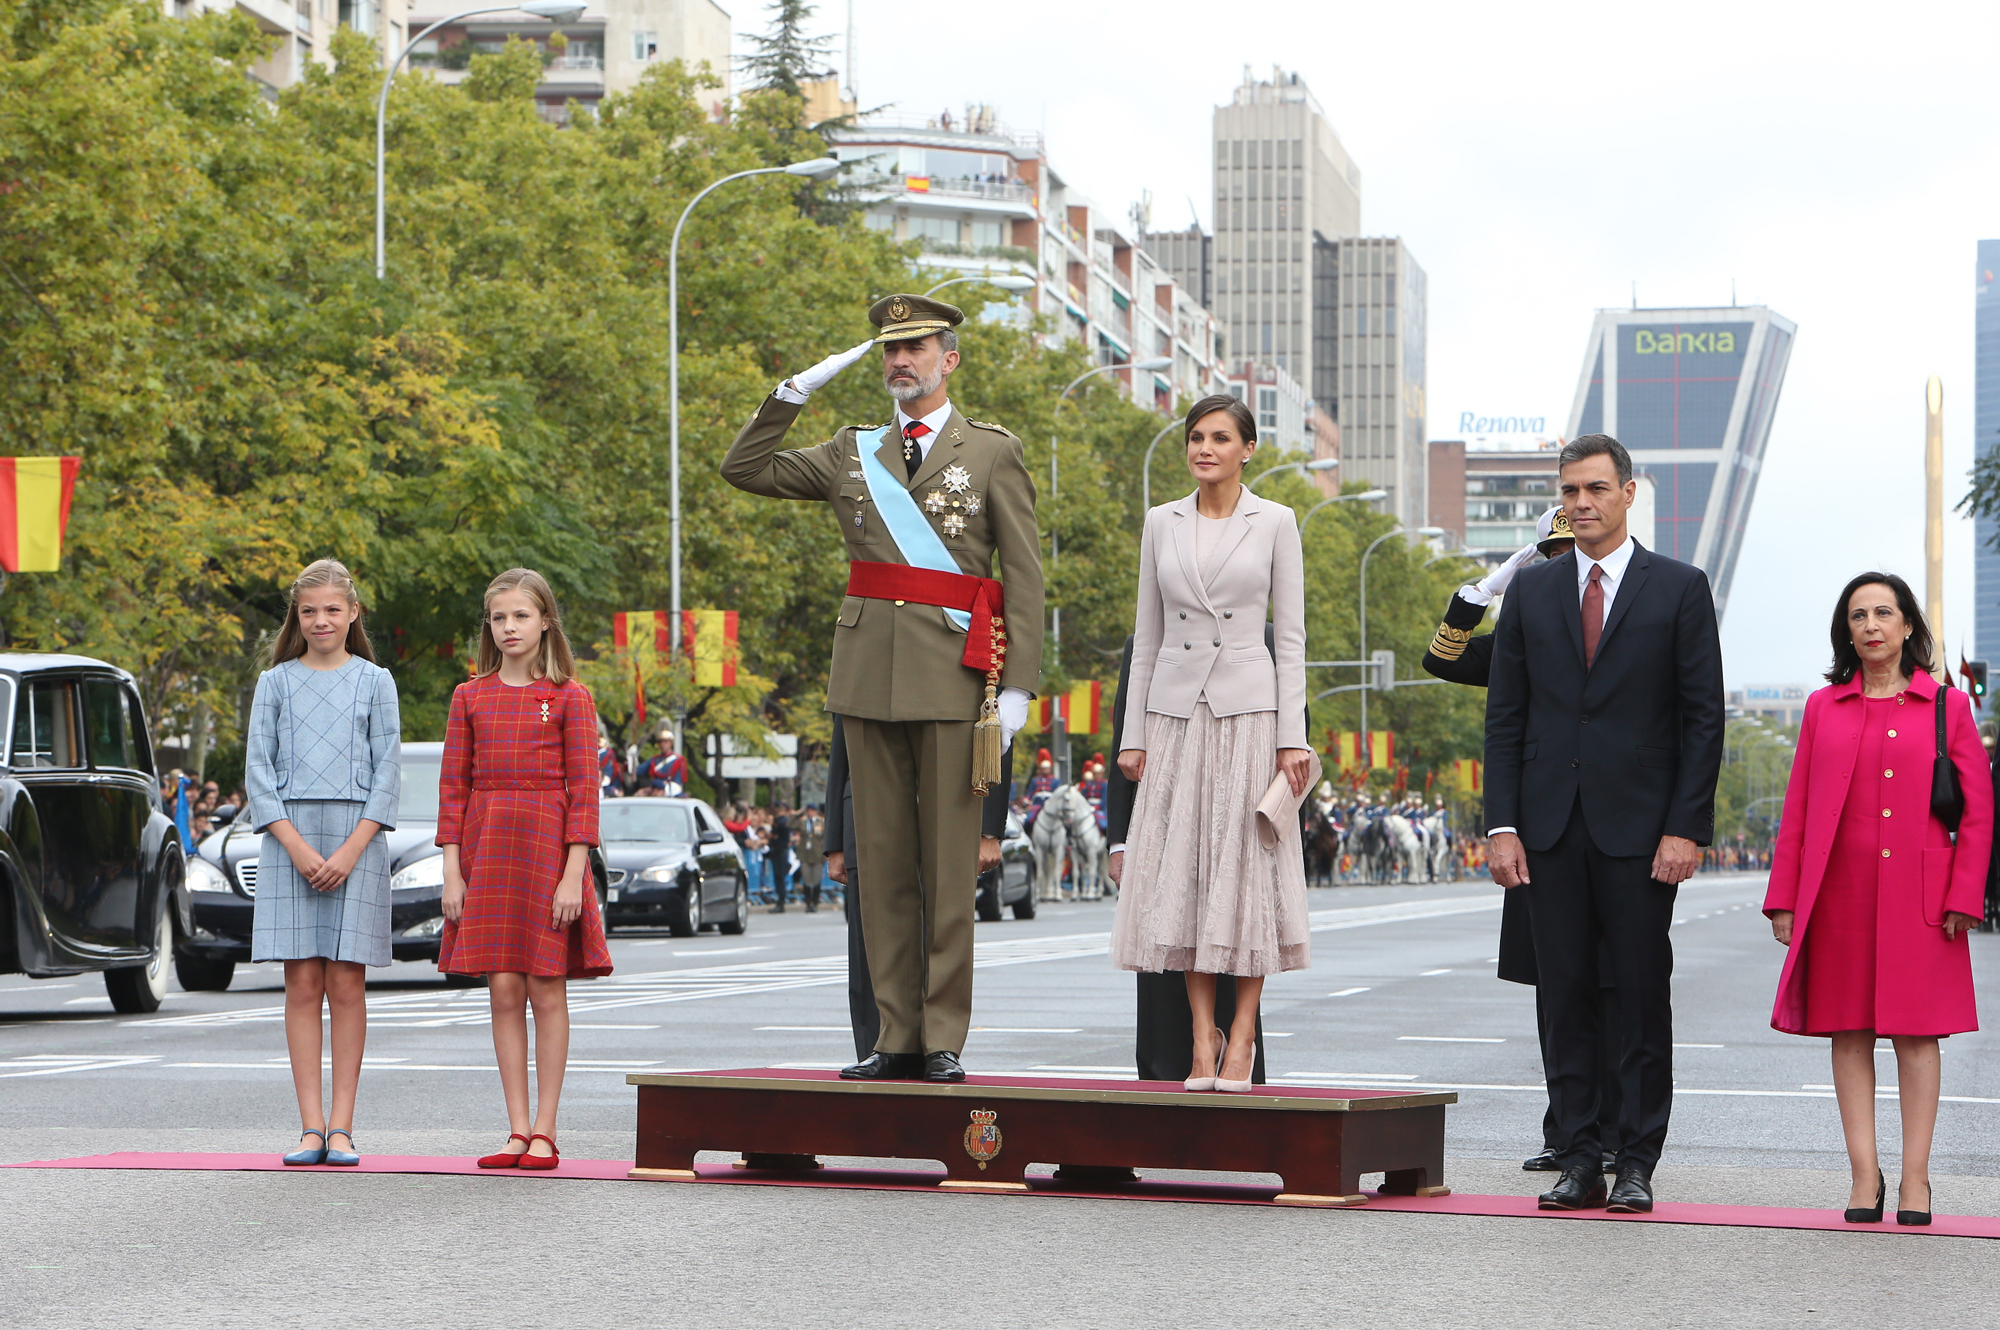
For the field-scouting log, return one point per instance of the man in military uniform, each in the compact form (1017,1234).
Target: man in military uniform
(927,502)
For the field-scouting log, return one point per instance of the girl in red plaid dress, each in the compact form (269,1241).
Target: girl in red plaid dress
(517,815)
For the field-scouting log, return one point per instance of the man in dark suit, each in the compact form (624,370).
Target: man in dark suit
(1456,656)
(1603,742)
(841,867)
(1164,1030)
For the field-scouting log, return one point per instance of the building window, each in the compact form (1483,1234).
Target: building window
(645,45)
(879,221)
(988,235)
(944,230)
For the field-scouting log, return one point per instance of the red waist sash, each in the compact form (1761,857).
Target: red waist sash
(981,597)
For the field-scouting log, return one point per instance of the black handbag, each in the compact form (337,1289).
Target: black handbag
(1947,799)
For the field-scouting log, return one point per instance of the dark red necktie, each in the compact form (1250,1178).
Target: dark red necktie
(1593,613)
(913,456)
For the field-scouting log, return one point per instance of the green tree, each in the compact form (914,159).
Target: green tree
(784,57)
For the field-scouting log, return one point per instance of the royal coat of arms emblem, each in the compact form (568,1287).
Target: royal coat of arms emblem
(982,1138)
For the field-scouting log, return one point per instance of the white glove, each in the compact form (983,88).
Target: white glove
(1496,582)
(1013,713)
(803,384)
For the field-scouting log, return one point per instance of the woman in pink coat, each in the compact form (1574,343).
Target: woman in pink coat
(1869,890)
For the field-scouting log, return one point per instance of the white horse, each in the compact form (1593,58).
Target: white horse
(1437,847)
(1067,821)
(1406,851)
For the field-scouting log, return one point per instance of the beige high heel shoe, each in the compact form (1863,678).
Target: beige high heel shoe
(1198,1083)
(1226,1086)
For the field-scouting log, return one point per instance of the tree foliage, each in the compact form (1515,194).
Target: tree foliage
(188,301)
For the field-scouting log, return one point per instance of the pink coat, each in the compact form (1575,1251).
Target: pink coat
(1923,984)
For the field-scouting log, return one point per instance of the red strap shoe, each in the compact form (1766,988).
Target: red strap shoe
(553,1158)
(506,1158)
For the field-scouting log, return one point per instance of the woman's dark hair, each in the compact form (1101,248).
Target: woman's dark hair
(1246,423)
(1916,649)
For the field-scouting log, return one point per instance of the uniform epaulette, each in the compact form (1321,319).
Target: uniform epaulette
(987,424)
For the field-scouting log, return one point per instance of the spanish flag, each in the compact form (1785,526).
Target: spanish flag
(1081,709)
(630,630)
(709,638)
(34,511)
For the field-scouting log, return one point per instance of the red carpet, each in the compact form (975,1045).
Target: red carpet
(602,1170)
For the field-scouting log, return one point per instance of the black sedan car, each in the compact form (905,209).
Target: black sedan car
(671,862)
(94,873)
(223,881)
(1013,882)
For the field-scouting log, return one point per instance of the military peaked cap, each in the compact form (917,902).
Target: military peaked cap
(906,318)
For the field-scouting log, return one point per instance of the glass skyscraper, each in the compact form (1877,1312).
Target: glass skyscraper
(1691,394)
(1985,437)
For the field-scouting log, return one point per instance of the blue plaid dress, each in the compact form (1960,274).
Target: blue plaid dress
(325,751)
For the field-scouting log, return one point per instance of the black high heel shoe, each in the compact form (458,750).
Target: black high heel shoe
(1916,1218)
(1859,1215)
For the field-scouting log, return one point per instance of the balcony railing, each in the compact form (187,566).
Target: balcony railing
(967,187)
(576,63)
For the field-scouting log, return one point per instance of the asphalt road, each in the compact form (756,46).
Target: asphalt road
(1401,992)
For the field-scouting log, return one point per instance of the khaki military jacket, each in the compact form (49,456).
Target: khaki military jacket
(894,661)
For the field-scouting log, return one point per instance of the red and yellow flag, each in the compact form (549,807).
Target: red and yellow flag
(1347,752)
(1471,773)
(1381,749)
(630,630)
(1081,708)
(34,511)
(709,638)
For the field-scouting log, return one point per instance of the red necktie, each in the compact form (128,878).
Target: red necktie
(912,455)
(1593,613)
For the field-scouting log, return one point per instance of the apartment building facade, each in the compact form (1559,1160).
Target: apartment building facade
(982,199)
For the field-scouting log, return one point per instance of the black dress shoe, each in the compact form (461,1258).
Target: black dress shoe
(1916,1218)
(1581,1188)
(886,1067)
(1862,1214)
(1633,1192)
(942,1067)
(1545,1162)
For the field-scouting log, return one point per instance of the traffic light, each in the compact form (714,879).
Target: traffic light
(1975,678)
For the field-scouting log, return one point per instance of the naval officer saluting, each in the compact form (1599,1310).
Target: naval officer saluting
(931,679)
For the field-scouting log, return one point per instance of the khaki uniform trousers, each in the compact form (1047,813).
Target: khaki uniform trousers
(916,826)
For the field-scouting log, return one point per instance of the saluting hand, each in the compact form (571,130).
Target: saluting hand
(807,381)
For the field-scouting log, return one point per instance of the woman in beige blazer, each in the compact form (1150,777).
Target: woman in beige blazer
(1218,718)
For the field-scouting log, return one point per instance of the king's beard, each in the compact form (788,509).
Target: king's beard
(911,388)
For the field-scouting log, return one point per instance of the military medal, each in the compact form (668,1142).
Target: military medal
(956,479)
(545,709)
(953,525)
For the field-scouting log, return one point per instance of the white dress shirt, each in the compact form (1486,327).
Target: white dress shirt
(935,420)
(1614,565)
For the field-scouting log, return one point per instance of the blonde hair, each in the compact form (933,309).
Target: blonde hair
(554,661)
(290,642)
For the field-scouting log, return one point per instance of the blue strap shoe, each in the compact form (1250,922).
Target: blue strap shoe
(310,1156)
(341,1158)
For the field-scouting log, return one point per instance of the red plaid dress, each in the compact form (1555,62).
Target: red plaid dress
(519,786)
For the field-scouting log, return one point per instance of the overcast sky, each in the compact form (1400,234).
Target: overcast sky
(1836,161)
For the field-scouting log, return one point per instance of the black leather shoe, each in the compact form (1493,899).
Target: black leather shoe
(942,1067)
(1581,1188)
(1633,1192)
(886,1067)
(1545,1162)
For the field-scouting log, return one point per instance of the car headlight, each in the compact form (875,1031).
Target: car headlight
(428,928)
(663,873)
(205,876)
(427,872)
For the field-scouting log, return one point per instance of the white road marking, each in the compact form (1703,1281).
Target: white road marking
(50,1064)
(1446,1039)
(1700,1045)
(808,1029)
(1428,973)
(1349,992)
(718,951)
(32,988)
(1016,1029)
(1348,1076)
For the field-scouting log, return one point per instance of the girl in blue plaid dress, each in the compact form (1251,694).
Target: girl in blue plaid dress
(323,770)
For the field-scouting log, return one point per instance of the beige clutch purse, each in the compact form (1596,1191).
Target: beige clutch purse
(1280,807)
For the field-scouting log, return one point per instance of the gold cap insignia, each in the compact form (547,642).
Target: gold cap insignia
(899,308)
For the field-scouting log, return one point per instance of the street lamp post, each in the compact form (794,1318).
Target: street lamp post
(817,168)
(1006,281)
(1146,467)
(1394,531)
(1317,464)
(1059,729)
(555,11)
(1360,496)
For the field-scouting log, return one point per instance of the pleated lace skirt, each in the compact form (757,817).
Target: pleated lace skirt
(1200,892)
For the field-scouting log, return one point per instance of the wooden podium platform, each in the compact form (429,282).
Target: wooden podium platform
(988,1129)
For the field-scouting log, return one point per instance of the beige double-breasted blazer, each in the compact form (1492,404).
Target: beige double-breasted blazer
(1201,630)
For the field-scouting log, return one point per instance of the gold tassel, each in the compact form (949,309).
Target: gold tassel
(986,745)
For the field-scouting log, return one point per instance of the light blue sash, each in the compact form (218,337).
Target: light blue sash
(915,540)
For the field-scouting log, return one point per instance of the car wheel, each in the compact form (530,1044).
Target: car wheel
(204,974)
(137,989)
(686,921)
(1024,908)
(739,916)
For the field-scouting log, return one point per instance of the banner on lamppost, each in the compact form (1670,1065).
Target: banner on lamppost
(35,495)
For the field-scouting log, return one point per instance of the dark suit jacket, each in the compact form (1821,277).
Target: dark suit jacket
(1474,661)
(1637,737)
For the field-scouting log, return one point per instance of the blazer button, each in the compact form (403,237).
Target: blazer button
(899,602)
(1892,734)
(1885,812)
(1184,614)
(1885,854)
(1217,642)
(1187,646)
(1229,614)
(1586,720)
(1573,762)
(1888,775)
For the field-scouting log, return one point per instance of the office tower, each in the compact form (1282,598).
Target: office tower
(1281,177)
(1368,319)
(1691,394)
(1985,644)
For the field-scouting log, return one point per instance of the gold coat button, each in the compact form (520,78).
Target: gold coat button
(899,602)
(1885,812)
(1887,775)
(1885,854)
(1892,734)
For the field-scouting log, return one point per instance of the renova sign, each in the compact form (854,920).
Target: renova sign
(1470,422)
